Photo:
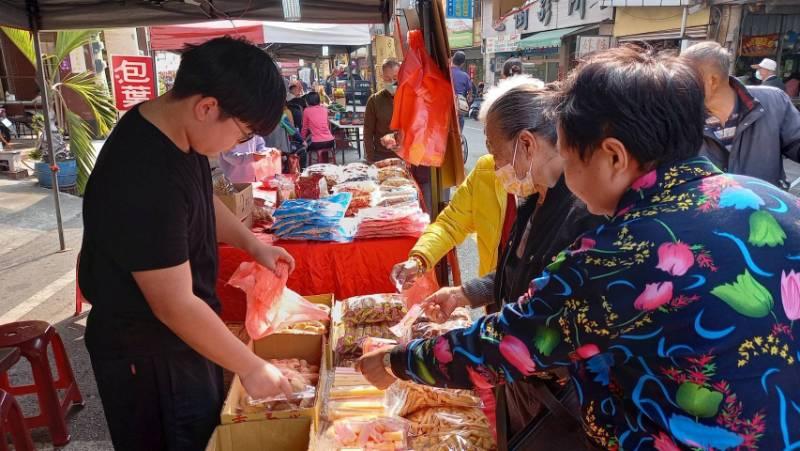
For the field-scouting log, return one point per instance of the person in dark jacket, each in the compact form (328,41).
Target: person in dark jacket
(749,129)
(765,71)
(523,141)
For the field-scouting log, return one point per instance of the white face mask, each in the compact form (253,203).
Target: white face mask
(512,184)
(758,75)
(391,87)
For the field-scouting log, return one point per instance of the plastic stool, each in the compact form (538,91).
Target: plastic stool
(32,338)
(12,420)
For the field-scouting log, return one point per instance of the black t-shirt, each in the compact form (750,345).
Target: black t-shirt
(148,205)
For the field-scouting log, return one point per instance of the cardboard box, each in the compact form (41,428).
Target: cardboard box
(239,203)
(284,435)
(312,348)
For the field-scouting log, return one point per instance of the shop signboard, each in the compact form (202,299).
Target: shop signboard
(763,45)
(551,14)
(503,43)
(134,80)
(459,9)
(591,44)
(459,33)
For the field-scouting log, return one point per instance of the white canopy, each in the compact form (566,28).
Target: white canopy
(316,34)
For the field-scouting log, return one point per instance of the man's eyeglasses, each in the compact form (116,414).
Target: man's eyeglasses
(246,136)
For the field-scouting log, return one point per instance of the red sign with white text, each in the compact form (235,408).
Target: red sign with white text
(134,80)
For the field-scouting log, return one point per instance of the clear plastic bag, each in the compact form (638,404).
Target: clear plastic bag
(374,308)
(405,398)
(382,433)
(221,183)
(436,420)
(350,344)
(374,343)
(456,440)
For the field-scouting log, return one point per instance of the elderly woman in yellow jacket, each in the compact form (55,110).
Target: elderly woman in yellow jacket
(478,206)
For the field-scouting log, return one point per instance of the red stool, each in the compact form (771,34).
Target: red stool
(32,338)
(12,421)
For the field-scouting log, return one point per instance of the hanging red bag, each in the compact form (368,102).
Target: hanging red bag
(423,106)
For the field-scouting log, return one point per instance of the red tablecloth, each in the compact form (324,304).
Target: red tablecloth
(344,269)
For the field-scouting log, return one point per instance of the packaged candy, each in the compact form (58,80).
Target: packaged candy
(350,344)
(374,308)
(382,433)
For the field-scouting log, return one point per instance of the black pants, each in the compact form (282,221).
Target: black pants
(168,401)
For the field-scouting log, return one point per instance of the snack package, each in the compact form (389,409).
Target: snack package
(270,305)
(302,376)
(385,434)
(312,186)
(371,406)
(435,420)
(404,398)
(373,308)
(456,440)
(390,162)
(424,328)
(421,289)
(349,345)
(391,172)
(403,328)
(221,183)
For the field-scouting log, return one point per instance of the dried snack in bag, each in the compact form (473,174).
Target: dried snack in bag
(404,398)
(457,440)
(373,344)
(374,308)
(349,345)
(382,433)
(390,162)
(435,420)
(221,184)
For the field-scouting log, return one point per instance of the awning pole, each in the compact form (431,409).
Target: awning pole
(48,133)
(683,21)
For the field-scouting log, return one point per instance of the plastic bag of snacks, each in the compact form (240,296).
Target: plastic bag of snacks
(382,433)
(391,172)
(303,378)
(435,420)
(331,172)
(221,183)
(425,329)
(404,398)
(456,440)
(390,162)
(312,186)
(373,308)
(373,344)
(350,344)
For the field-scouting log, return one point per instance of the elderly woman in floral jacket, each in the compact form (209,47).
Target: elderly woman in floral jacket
(676,318)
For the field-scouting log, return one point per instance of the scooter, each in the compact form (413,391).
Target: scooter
(475,107)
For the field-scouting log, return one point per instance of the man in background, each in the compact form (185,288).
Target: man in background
(378,114)
(749,129)
(765,71)
(462,85)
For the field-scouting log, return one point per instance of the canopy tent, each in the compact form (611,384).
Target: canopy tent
(549,38)
(71,14)
(316,34)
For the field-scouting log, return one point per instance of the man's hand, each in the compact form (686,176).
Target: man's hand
(440,305)
(269,256)
(390,141)
(372,367)
(266,380)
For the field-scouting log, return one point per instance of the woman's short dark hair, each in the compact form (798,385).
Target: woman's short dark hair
(312,99)
(245,81)
(512,66)
(651,103)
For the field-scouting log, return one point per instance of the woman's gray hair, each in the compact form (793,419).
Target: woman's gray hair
(519,103)
(709,53)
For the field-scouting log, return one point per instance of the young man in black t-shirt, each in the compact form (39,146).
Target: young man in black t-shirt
(149,259)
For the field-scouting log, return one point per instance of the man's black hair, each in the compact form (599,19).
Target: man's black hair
(651,103)
(312,99)
(459,58)
(512,66)
(245,81)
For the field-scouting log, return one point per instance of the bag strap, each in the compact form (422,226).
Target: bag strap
(543,394)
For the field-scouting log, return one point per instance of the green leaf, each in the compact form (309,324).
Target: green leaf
(698,401)
(546,340)
(80,143)
(23,40)
(67,41)
(746,296)
(765,230)
(89,88)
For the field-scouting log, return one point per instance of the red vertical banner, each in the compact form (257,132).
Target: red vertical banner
(134,80)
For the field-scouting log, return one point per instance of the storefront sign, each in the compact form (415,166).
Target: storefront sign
(521,20)
(591,44)
(577,7)
(545,14)
(459,9)
(552,14)
(134,81)
(764,45)
(459,33)
(503,43)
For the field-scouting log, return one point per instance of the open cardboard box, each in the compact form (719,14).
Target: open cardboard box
(311,348)
(285,435)
(240,203)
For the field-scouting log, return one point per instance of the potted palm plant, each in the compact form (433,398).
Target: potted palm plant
(76,159)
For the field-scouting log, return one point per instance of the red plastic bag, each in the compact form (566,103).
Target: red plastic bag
(423,106)
(270,305)
(421,289)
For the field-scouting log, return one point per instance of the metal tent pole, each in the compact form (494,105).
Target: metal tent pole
(48,133)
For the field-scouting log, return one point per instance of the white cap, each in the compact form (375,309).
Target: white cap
(767,64)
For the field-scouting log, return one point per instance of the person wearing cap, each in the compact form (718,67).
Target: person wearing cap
(749,130)
(765,71)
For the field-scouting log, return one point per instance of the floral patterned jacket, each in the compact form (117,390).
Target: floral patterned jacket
(675,319)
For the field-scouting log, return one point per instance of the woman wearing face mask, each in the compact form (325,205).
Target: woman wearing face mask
(522,141)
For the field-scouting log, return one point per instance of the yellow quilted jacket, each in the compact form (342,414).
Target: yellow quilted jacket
(479,206)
